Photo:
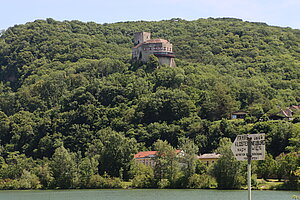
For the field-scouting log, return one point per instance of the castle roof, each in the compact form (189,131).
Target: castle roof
(156,41)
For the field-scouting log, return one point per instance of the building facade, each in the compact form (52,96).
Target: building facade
(146,158)
(209,158)
(239,115)
(145,46)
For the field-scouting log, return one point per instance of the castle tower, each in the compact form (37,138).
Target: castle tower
(141,37)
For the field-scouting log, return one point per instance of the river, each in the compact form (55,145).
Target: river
(150,194)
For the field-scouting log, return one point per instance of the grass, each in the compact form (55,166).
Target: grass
(271,184)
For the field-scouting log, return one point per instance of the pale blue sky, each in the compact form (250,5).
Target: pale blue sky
(283,13)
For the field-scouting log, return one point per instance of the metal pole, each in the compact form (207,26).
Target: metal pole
(249,166)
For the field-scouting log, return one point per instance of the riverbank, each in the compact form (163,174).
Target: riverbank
(270,184)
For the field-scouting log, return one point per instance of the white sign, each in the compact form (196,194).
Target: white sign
(240,147)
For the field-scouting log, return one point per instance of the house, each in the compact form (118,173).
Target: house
(144,46)
(147,157)
(239,115)
(209,158)
(286,114)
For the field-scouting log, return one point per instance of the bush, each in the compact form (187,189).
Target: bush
(204,181)
(29,181)
(142,181)
(99,182)
(163,183)
(9,184)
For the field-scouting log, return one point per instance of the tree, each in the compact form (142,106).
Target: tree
(219,103)
(29,181)
(287,166)
(166,164)
(188,160)
(116,153)
(87,167)
(44,173)
(294,140)
(227,169)
(153,63)
(165,105)
(142,175)
(266,168)
(15,164)
(63,167)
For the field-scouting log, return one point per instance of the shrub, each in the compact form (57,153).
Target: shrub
(99,182)
(163,183)
(142,181)
(204,181)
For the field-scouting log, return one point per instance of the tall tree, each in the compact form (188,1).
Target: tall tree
(188,159)
(116,153)
(63,167)
(166,163)
(227,169)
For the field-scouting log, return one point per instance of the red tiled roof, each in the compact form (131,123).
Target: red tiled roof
(144,154)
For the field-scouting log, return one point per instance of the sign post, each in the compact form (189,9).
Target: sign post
(249,155)
(249,147)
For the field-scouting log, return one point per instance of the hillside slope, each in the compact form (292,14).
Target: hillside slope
(62,82)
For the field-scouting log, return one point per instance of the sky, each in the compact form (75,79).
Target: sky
(284,13)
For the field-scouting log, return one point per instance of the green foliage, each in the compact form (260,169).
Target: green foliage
(166,167)
(99,182)
(87,168)
(143,176)
(227,169)
(188,159)
(73,84)
(44,173)
(197,181)
(200,167)
(114,152)
(288,165)
(29,181)
(267,168)
(63,168)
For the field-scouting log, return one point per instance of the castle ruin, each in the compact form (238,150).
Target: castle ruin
(144,46)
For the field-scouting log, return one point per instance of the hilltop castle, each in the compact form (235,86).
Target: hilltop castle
(144,46)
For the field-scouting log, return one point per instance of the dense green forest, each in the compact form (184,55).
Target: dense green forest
(74,108)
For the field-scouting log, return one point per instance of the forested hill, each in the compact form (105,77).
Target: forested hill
(73,83)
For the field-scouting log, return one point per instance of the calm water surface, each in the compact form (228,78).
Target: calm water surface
(145,195)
